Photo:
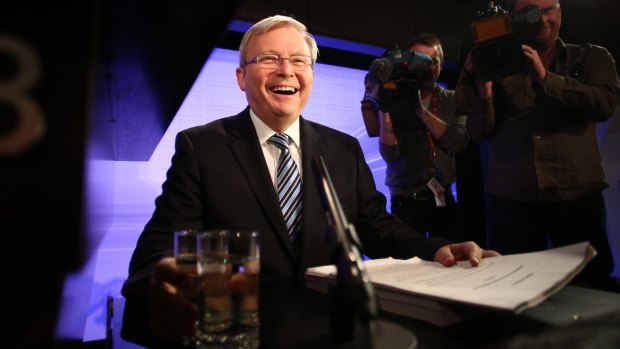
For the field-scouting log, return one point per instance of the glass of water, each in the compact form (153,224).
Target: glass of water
(229,268)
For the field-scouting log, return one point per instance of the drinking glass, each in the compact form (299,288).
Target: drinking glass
(229,268)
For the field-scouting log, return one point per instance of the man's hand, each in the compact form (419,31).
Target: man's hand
(421,108)
(172,315)
(371,88)
(537,70)
(484,88)
(448,255)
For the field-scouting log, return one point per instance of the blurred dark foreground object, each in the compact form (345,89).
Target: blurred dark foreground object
(55,64)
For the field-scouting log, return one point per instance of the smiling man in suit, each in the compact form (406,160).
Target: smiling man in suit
(225,175)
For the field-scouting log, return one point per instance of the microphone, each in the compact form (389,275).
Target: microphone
(355,299)
(380,70)
(354,321)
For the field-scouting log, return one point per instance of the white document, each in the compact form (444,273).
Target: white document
(510,282)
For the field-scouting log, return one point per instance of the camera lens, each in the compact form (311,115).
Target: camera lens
(533,15)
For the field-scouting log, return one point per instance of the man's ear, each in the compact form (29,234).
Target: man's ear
(240,78)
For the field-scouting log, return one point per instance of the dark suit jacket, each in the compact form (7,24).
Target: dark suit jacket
(219,179)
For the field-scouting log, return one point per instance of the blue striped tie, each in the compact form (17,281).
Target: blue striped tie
(289,189)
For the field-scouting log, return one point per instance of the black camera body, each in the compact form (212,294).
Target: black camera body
(397,73)
(497,51)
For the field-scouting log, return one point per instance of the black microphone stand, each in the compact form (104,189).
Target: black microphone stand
(354,319)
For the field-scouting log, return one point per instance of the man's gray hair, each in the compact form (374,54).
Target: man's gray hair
(274,22)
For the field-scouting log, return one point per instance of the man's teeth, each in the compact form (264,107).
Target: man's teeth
(285,89)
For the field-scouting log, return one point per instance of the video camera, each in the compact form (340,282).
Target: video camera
(497,50)
(397,73)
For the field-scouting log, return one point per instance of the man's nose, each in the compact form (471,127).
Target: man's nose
(285,66)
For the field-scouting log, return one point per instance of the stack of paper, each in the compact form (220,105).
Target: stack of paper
(441,295)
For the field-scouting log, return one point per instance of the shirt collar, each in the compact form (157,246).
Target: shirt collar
(264,132)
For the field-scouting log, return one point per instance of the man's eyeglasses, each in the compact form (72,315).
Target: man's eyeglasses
(298,62)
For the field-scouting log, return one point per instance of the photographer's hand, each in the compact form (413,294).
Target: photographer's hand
(537,70)
(371,93)
(484,88)
(433,123)
(370,108)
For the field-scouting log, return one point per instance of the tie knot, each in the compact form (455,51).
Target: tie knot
(281,140)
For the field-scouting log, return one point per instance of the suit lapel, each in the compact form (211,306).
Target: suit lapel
(246,149)
(313,213)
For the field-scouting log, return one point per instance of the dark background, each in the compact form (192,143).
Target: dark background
(385,22)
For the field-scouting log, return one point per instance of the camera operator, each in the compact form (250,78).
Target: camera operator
(544,177)
(420,158)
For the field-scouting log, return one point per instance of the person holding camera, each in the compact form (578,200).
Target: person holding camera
(544,176)
(419,146)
